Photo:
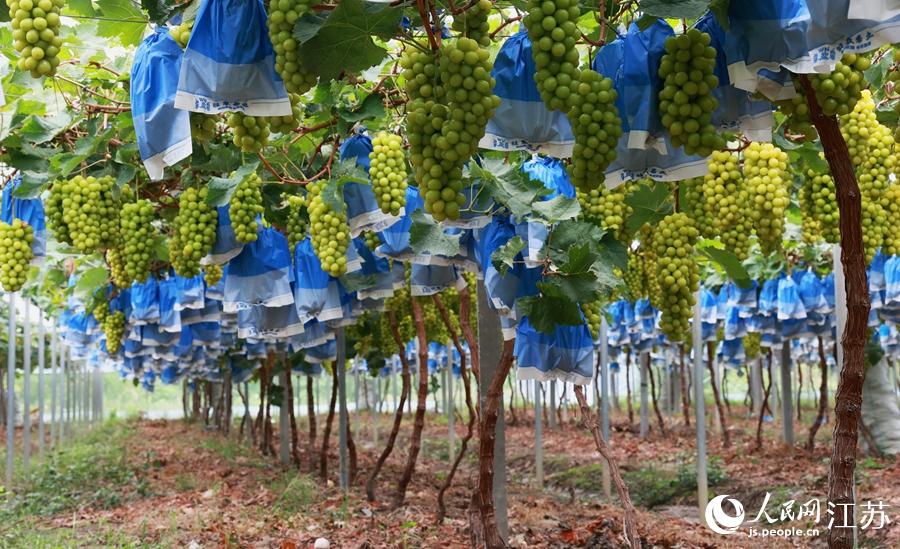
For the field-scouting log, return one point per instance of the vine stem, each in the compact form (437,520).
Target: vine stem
(848,398)
(423,13)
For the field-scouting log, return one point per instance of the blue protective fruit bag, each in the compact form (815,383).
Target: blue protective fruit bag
(565,355)
(363,212)
(261,274)
(229,63)
(163,131)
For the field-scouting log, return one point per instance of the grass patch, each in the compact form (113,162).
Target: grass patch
(229,448)
(296,491)
(92,472)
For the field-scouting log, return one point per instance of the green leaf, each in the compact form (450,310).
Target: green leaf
(344,43)
(125,153)
(307,26)
(80,7)
(556,209)
(275,394)
(645,22)
(346,171)
(221,188)
(887,115)
(161,248)
(613,252)
(371,108)
(66,162)
(504,256)
(729,262)
(425,235)
(122,20)
(32,184)
(577,279)
(39,129)
(353,282)
(88,281)
(813,160)
(190,13)
(649,205)
(719,8)
(125,175)
(507,184)
(216,158)
(549,310)
(674,9)
(160,12)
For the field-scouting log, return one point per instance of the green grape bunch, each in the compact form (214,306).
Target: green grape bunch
(251,133)
(203,126)
(634,277)
(372,240)
(85,213)
(609,208)
(473,23)
(114,329)
(16,240)
(296,224)
(138,234)
(212,274)
(288,123)
(819,201)
(697,207)
(591,312)
(283,15)
(677,273)
(118,270)
(101,311)
(194,232)
(597,128)
(182,33)
(35,34)
(328,231)
(768,185)
(796,109)
(244,206)
(388,172)
(553,32)
(840,90)
(685,101)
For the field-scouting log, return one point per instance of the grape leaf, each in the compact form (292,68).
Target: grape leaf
(160,12)
(122,20)
(649,205)
(613,252)
(39,129)
(577,279)
(125,175)
(729,262)
(307,26)
(645,22)
(353,282)
(344,44)
(425,235)
(568,234)
(674,9)
(556,209)
(32,184)
(550,309)
(504,256)
(345,172)
(719,8)
(221,188)
(370,109)
(88,281)
(507,184)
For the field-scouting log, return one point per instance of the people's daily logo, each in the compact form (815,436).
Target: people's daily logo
(721,522)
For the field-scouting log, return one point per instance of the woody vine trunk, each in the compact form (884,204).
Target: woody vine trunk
(726,437)
(311,414)
(848,398)
(326,433)
(823,399)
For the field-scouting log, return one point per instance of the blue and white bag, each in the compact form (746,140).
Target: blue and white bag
(552,173)
(768,298)
(229,64)
(269,322)
(316,294)
(326,352)
(837,27)
(190,293)
(261,274)
(745,297)
(891,281)
(789,304)
(380,269)
(812,294)
(145,302)
(163,131)
(169,318)
(225,247)
(314,334)
(363,212)
(565,355)
(433,279)
(708,306)
(522,122)
(30,211)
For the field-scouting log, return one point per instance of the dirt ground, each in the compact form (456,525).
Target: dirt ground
(202,491)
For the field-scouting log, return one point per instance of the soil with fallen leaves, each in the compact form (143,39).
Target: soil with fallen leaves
(207,493)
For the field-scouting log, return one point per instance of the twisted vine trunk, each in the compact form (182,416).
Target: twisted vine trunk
(848,398)
(398,415)
(295,448)
(419,423)
(464,443)
(711,350)
(659,418)
(823,399)
(465,307)
(631,533)
(311,414)
(485,493)
(684,397)
(765,404)
(326,433)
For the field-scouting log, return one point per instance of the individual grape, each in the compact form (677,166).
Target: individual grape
(870,146)
(685,101)
(138,234)
(251,133)
(388,172)
(212,274)
(181,33)
(768,187)
(634,277)
(296,224)
(840,90)
(114,329)
(597,128)
(473,23)
(288,123)
(591,312)
(328,231)
(90,212)
(553,33)
(194,232)
(372,240)
(283,15)
(244,206)
(35,34)
(203,126)
(16,240)
(677,273)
